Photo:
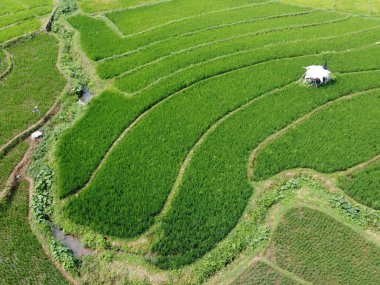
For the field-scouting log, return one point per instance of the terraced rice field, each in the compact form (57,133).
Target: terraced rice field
(18,18)
(203,99)
(34,65)
(203,156)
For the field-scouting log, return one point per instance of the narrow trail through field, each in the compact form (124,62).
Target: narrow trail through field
(268,140)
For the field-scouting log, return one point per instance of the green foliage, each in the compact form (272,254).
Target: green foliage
(34,81)
(364,185)
(339,255)
(23,261)
(41,199)
(329,141)
(346,207)
(63,255)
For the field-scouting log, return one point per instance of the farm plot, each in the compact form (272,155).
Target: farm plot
(171,147)
(9,162)
(23,261)
(26,86)
(18,18)
(337,138)
(364,185)
(339,256)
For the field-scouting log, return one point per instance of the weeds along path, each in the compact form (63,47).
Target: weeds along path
(17,178)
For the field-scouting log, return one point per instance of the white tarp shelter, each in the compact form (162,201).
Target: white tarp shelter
(317,74)
(36,135)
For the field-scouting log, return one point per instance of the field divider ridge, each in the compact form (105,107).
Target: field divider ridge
(10,64)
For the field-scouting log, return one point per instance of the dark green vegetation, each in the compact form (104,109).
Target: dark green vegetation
(22,17)
(9,162)
(199,89)
(23,261)
(330,141)
(262,273)
(364,185)
(339,255)
(34,81)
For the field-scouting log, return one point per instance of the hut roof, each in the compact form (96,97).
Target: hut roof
(314,72)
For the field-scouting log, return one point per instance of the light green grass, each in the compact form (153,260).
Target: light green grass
(23,261)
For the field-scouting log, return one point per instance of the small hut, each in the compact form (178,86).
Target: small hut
(317,75)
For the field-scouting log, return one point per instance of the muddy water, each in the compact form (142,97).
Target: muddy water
(86,96)
(71,242)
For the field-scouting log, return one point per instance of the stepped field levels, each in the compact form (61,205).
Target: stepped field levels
(190,142)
